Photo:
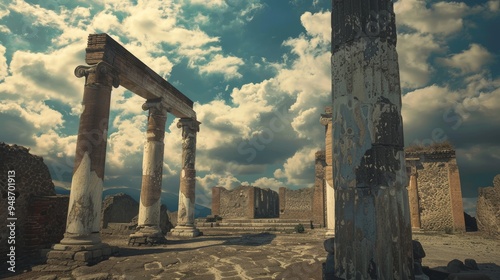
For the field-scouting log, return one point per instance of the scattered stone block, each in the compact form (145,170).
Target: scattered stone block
(471,264)
(455,266)
(83,256)
(153,265)
(95,276)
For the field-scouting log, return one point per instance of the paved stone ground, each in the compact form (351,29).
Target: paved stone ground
(256,256)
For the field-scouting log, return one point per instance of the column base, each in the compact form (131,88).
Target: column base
(185,231)
(81,239)
(147,235)
(72,256)
(330,233)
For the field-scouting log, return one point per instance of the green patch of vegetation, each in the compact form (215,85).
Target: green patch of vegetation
(299,228)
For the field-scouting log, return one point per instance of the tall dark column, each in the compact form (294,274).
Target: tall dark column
(372,217)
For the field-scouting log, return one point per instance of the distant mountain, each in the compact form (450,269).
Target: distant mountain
(170,200)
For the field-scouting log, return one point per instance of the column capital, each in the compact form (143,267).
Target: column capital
(101,73)
(189,126)
(154,106)
(325,119)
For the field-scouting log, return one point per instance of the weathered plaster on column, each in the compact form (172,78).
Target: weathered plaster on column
(84,209)
(414,200)
(85,200)
(152,170)
(185,213)
(373,230)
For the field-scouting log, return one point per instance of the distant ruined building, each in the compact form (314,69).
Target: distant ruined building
(434,188)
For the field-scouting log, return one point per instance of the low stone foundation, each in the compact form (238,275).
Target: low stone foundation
(73,256)
(183,231)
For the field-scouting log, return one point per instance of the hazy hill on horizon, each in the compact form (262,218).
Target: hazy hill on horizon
(170,200)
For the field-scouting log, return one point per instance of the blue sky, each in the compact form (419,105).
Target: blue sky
(259,74)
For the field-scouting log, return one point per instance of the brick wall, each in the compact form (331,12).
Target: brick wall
(45,223)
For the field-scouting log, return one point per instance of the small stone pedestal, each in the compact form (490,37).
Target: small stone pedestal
(148,235)
(72,256)
(185,231)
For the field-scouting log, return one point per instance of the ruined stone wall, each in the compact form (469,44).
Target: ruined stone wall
(46,222)
(296,204)
(246,202)
(488,208)
(118,208)
(32,179)
(438,189)
(266,203)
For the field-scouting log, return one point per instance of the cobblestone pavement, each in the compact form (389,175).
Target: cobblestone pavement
(256,256)
(244,256)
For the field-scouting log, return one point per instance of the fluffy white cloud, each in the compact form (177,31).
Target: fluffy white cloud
(471,60)
(226,65)
(441,17)
(297,169)
(315,24)
(3,63)
(414,65)
(270,183)
(214,4)
(494,5)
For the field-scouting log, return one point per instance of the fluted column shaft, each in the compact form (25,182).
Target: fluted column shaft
(372,223)
(185,214)
(84,210)
(152,167)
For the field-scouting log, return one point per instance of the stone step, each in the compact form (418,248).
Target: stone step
(255,225)
(245,229)
(268,220)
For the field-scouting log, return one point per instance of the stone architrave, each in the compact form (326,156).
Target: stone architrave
(185,214)
(372,220)
(148,224)
(326,120)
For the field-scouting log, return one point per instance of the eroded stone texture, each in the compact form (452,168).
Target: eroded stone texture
(434,190)
(152,170)
(185,214)
(372,219)
(84,210)
(326,120)
(488,208)
(246,202)
(31,179)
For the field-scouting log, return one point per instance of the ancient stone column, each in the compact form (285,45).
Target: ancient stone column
(84,211)
(326,120)
(81,244)
(148,224)
(372,217)
(413,199)
(185,214)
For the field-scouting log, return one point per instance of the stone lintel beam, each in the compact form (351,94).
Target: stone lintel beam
(136,76)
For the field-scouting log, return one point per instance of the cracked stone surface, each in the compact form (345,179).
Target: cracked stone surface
(257,256)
